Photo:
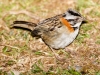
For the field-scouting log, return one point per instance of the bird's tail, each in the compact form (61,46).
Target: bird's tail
(24,24)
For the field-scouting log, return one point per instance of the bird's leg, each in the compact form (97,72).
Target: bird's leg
(56,55)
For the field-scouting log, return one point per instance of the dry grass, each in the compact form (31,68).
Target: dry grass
(22,54)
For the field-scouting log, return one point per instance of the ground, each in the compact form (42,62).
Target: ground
(20,53)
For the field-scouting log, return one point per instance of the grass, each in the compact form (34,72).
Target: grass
(21,53)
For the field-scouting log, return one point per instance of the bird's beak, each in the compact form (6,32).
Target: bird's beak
(84,21)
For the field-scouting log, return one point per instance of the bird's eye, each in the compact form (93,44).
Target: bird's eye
(76,19)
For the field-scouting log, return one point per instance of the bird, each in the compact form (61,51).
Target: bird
(58,31)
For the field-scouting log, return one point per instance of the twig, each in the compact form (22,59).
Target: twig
(23,12)
(10,46)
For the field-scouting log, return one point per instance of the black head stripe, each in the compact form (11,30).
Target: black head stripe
(73,12)
(69,20)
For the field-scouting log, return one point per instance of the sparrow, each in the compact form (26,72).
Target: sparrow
(58,31)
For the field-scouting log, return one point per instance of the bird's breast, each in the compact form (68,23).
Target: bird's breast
(61,40)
